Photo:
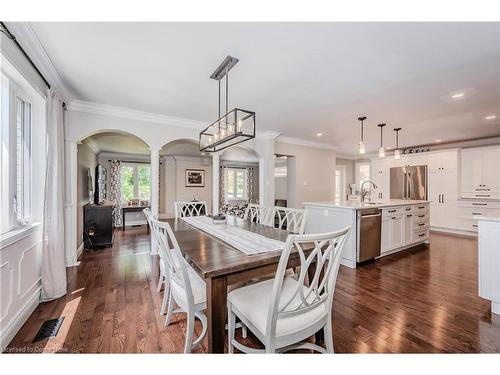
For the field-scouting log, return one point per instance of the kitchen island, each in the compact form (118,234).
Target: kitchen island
(402,223)
(489,260)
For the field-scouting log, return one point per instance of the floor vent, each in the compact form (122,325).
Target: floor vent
(48,329)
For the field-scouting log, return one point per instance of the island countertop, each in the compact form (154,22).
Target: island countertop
(357,205)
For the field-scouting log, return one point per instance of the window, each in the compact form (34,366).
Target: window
(236,184)
(135,181)
(362,173)
(16,161)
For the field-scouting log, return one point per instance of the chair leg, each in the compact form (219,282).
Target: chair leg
(230,328)
(328,337)
(160,281)
(189,333)
(166,293)
(244,331)
(170,308)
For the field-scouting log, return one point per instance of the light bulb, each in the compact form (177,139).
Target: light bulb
(381,152)
(239,126)
(222,133)
(216,136)
(397,154)
(210,140)
(361,147)
(230,129)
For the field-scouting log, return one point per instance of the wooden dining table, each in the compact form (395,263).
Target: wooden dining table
(221,265)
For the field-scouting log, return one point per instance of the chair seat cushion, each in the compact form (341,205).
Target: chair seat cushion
(253,302)
(198,287)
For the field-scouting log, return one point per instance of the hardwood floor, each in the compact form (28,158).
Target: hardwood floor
(422,300)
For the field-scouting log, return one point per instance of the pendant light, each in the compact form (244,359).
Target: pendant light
(235,126)
(362,143)
(397,152)
(381,151)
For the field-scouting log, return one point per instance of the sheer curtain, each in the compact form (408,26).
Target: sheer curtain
(53,249)
(115,191)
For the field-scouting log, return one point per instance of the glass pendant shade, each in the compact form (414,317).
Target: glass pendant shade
(381,152)
(397,154)
(362,147)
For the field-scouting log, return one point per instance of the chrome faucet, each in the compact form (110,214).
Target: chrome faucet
(364,192)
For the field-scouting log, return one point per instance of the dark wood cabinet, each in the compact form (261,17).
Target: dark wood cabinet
(98,225)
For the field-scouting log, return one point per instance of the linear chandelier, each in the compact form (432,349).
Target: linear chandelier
(235,126)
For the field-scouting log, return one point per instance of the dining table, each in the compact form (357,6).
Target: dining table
(222,265)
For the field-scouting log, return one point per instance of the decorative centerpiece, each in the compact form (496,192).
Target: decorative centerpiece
(219,219)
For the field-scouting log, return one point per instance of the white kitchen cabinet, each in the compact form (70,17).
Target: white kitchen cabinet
(480,173)
(408,228)
(414,160)
(380,170)
(397,234)
(443,189)
(386,236)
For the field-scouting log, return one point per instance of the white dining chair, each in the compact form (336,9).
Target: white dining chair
(258,214)
(163,279)
(195,208)
(291,219)
(284,311)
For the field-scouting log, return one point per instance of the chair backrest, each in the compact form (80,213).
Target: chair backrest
(325,256)
(183,209)
(147,212)
(258,214)
(291,219)
(174,261)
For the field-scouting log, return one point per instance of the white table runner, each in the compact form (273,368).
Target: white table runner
(245,241)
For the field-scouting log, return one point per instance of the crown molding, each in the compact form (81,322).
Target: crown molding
(132,114)
(36,51)
(266,134)
(93,145)
(302,142)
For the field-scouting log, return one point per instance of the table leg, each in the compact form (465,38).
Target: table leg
(216,313)
(123,220)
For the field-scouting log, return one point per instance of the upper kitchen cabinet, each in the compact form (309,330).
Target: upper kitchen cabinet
(481,173)
(380,169)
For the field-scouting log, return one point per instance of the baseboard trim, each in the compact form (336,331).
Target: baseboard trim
(454,232)
(8,333)
(79,251)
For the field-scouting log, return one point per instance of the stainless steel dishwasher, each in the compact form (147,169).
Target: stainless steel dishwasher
(369,233)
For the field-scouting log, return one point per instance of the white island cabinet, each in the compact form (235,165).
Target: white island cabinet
(404,224)
(489,260)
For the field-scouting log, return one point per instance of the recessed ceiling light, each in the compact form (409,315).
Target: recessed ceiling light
(458,95)
(437,140)
(490,117)
(319,134)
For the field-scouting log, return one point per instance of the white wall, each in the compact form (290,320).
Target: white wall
(314,178)
(87,160)
(173,184)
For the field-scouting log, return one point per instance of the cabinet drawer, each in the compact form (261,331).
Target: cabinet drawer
(418,208)
(481,194)
(479,204)
(408,209)
(418,217)
(421,235)
(392,211)
(468,213)
(420,226)
(468,224)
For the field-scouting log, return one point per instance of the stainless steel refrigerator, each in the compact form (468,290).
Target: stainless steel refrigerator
(409,182)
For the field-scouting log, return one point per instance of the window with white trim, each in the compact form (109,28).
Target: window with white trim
(16,161)
(135,182)
(236,184)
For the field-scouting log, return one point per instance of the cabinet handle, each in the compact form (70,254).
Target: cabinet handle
(439,198)
(421,207)
(474,225)
(442,198)
(421,224)
(390,211)
(421,235)
(421,215)
(394,218)
(408,208)
(479,204)
(482,195)
(409,215)
(483,189)
(476,213)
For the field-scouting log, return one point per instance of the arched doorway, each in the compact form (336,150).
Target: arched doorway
(112,168)
(185,174)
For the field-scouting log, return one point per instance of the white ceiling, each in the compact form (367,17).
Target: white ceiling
(300,78)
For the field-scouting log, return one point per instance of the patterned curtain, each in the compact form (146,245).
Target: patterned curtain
(250,171)
(222,188)
(115,191)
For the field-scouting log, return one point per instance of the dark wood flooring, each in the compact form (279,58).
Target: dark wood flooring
(422,300)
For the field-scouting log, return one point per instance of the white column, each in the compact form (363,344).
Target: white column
(215,183)
(71,204)
(155,201)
